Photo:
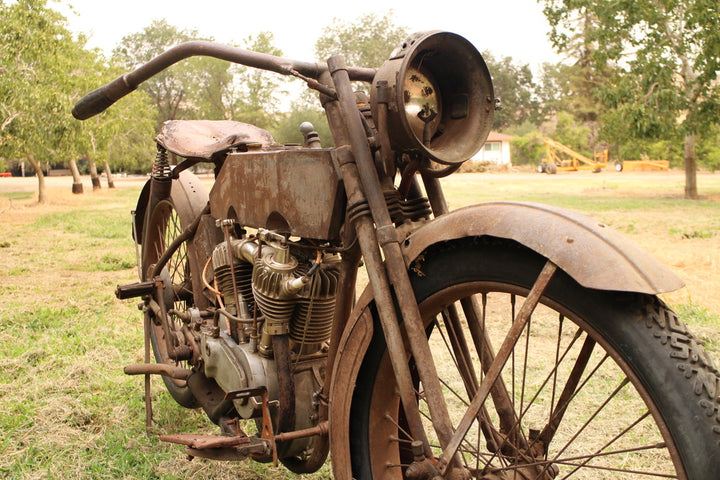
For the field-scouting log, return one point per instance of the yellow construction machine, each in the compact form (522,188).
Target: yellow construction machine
(562,158)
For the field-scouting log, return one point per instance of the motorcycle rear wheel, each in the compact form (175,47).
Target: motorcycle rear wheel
(166,221)
(600,385)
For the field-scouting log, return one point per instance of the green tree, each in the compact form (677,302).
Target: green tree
(365,42)
(287,129)
(122,135)
(568,131)
(41,71)
(256,91)
(666,58)
(527,146)
(194,87)
(202,87)
(513,85)
(709,148)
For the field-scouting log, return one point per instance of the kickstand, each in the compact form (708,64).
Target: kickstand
(148,397)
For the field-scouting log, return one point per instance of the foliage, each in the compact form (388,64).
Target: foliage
(571,133)
(709,149)
(365,42)
(527,148)
(51,71)
(40,71)
(513,85)
(202,87)
(570,88)
(287,129)
(256,96)
(169,90)
(665,58)
(575,87)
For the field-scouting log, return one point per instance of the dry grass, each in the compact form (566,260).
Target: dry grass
(66,409)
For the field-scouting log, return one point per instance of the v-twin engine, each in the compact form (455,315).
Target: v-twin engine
(269,288)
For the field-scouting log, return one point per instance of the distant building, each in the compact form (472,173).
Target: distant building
(496,149)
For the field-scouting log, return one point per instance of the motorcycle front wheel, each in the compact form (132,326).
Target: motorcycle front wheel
(601,384)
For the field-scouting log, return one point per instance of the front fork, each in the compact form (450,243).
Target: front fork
(375,232)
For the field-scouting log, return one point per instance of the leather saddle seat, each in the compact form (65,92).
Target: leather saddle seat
(207,139)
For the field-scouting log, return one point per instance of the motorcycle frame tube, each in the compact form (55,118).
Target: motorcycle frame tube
(381,286)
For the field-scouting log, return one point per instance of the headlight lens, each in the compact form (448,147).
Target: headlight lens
(422,104)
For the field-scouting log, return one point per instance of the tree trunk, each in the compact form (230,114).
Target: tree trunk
(41,178)
(690,168)
(108,174)
(94,177)
(77,181)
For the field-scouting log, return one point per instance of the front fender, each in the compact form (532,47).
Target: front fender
(592,253)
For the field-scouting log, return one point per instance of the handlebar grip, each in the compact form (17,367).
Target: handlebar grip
(101,98)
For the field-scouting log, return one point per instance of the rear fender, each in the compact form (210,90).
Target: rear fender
(187,192)
(190,197)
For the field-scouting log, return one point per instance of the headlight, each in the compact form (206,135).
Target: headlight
(439,97)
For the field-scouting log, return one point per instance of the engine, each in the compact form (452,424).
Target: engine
(270,291)
(267,288)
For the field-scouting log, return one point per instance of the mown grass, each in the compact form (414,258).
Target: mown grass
(67,410)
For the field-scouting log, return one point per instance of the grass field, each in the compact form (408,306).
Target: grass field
(66,409)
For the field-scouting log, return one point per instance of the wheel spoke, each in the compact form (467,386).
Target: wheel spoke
(622,385)
(556,399)
(568,392)
(502,400)
(572,461)
(496,367)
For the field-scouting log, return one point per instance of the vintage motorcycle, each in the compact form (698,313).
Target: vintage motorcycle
(499,341)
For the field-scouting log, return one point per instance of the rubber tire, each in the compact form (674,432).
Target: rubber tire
(153,233)
(673,368)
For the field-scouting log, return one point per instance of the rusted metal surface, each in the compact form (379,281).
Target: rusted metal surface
(595,255)
(207,138)
(354,343)
(497,365)
(385,236)
(102,98)
(158,369)
(381,288)
(217,447)
(292,191)
(464,111)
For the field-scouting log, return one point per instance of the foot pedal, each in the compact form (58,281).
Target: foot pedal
(218,447)
(132,290)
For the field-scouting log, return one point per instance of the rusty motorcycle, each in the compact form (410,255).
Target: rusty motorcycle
(488,343)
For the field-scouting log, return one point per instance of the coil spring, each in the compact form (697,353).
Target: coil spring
(399,209)
(161,166)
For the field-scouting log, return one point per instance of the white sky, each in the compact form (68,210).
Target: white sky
(515,28)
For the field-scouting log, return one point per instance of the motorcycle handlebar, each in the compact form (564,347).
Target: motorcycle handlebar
(102,98)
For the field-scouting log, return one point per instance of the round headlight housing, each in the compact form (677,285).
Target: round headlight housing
(439,97)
